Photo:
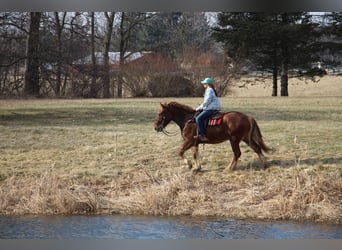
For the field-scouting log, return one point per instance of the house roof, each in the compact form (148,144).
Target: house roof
(114,57)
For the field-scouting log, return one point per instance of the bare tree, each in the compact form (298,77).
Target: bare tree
(106,47)
(93,86)
(60,23)
(32,52)
(129,23)
(13,34)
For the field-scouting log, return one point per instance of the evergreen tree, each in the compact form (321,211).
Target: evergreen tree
(162,33)
(169,33)
(275,42)
(331,41)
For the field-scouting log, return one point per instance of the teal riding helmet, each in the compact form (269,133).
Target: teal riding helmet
(207,80)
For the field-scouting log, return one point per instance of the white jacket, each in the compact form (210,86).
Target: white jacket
(210,102)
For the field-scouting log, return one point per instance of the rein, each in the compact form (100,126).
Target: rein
(165,132)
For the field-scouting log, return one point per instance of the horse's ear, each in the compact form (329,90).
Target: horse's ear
(163,105)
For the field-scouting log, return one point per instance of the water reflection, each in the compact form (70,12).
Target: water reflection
(123,227)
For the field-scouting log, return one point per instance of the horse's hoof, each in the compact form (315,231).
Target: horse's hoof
(196,170)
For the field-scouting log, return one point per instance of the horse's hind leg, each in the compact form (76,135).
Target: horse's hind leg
(257,150)
(237,152)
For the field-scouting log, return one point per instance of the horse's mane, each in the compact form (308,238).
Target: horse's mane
(180,106)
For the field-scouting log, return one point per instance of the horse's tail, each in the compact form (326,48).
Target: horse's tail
(256,136)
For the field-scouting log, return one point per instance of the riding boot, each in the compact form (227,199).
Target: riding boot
(201,138)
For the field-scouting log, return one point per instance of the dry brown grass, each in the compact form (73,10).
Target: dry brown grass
(47,194)
(298,87)
(103,156)
(295,193)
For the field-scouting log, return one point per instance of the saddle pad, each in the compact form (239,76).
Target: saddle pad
(216,120)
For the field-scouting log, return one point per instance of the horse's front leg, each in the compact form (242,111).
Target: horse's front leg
(196,158)
(186,145)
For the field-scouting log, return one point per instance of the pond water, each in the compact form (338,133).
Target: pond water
(131,227)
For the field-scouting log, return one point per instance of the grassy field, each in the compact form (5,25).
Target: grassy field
(103,156)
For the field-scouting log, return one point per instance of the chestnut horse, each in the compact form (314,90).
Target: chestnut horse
(235,127)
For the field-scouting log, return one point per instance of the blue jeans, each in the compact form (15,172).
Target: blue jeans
(200,120)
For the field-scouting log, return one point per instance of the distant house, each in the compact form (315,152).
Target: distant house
(84,65)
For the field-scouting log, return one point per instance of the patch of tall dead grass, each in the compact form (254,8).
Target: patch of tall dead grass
(47,194)
(297,193)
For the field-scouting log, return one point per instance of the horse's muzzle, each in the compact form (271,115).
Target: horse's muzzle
(159,128)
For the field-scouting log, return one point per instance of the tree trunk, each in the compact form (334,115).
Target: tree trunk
(93,86)
(106,77)
(32,54)
(275,69)
(275,81)
(122,54)
(59,28)
(107,40)
(284,79)
(285,57)
(284,70)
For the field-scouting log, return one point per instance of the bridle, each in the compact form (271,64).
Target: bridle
(165,132)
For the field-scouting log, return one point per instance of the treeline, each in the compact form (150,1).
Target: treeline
(116,54)
(280,42)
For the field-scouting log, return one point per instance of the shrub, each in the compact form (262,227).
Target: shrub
(170,86)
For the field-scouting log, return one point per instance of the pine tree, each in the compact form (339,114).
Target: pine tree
(332,38)
(275,42)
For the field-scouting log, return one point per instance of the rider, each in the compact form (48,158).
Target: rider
(210,104)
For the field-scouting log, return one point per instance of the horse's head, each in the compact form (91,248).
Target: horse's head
(163,118)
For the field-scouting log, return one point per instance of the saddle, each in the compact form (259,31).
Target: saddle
(214,120)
